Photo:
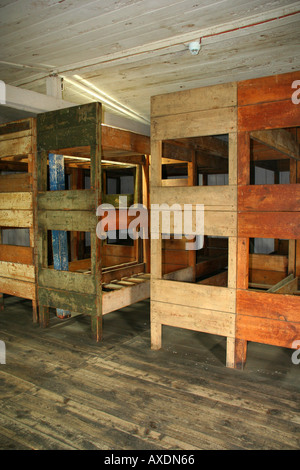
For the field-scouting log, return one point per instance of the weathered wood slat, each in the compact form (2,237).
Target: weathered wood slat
(67,281)
(16,218)
(15,287)
(265,305)
(216,223)
(267,331)
(198,319)
(65,300)
(193,295)
(282,225)
(83,200)
(16,201)
(274,115)
(67,220)
(19,146)
(213,198)
(288,285)
(268,262)
(15,183)
(269,198)
(23,272)
(200,99)
(266,89)
(116,300)
(194,124)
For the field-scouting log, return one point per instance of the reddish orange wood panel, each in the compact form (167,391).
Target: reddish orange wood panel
(266,331)
(263,276)
(16,254)
(265,305)
(274,115)
(269,198)
(284,225)
(273,88)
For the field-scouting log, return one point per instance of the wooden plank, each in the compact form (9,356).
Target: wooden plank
(116,300)
(16,254)
(66,280)
(193,295)
(263,116)
(266,89)
(213,197)
(19,201)
(185,275)
(19,146)
(16,218)
(120,272)
(268,225)
(264,278)
(269,198)
(80,200)
(65,300)
(192,318)
(265,305)
(268,262)
(199,99)
(278,139)
(216,223)
(124,140)
(67,220)
(17,288)
(266,331)
(22,272)
(15,183)
(194,124)
(243,158)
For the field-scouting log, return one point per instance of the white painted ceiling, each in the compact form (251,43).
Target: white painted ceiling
(134,49)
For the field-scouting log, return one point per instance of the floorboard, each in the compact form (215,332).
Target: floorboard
(60,389)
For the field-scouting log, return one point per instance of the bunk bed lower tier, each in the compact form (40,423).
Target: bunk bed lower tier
(17,268)
(121,286)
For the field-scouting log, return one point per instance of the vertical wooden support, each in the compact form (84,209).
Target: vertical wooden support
(156,241)
(1,295)
(96,184)
(146,203)
(59,237)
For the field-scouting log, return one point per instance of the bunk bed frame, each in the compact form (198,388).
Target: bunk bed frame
(17,193)
(238,293)
(112,277)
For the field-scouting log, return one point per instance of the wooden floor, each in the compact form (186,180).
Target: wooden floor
(61,390)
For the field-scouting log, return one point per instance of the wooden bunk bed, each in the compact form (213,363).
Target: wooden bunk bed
(268,302)
(231,287)
(17,193)
(101,277)
(200,134)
